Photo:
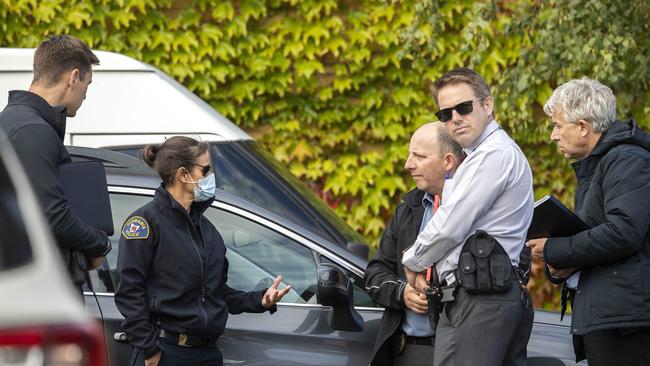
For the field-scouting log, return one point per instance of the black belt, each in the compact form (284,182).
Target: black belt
(403,340)
(423,341)
(186,340)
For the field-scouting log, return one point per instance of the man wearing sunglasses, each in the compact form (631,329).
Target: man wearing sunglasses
(489,205)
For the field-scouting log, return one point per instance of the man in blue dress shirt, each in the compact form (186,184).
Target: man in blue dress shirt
(406,336)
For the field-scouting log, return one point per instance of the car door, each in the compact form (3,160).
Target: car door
(258,250)
(298,333)
(104,281)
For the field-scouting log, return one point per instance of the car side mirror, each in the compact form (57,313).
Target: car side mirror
(335,290)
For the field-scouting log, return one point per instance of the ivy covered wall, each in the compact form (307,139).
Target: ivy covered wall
(335,88)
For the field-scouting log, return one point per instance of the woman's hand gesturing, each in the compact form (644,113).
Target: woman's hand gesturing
(273,295)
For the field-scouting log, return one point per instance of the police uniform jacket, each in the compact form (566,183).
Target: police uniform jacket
(613,198)
(36,131)
(384,277)
(173,269)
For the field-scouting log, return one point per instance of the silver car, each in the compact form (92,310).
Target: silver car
(42,321)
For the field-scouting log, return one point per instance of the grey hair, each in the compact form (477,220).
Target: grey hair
(585,99)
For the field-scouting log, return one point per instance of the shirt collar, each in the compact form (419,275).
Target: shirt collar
(164,198)
(489,129)
(427,200)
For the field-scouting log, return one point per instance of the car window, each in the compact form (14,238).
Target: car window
(243,173)
(361,298)
(122,205)
(246,169)
(258,254)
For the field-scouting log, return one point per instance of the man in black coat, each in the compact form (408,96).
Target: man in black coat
(406,336)
(34,122)
(606,269)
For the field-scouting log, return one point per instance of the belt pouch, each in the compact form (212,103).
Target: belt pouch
(467,272)
(484,267)
(481,248)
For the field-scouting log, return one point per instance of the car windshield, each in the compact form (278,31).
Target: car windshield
(244,168)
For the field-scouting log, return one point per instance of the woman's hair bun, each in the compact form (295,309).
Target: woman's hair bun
(149,154)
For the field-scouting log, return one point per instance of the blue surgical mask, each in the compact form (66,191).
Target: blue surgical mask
(205,188)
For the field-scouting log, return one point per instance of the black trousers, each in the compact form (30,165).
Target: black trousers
(172,355)
(618,347)
(415,355)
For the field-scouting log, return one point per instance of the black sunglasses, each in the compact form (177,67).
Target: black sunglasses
(463,108)
(205,169)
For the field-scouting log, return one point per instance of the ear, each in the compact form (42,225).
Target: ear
(585,127)
(182,175)
(488,104)
(449,161)
(73,77)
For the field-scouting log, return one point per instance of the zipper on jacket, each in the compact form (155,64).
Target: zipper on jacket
(203,265)
(205,250)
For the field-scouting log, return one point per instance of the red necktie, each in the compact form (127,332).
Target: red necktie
(436,204)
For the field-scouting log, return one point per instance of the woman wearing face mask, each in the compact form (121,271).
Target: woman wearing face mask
(172,265)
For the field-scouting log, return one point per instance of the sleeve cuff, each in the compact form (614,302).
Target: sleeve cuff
(551,278)
(97,250)
(400,293)
(549,254)
(107,249)
(411,261)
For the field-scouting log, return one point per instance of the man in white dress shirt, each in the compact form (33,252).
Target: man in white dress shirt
(492,192)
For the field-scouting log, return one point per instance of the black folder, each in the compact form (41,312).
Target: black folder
(84,186)
(552,219)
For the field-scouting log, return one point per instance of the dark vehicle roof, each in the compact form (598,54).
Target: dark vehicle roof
(126,171)
(121,169)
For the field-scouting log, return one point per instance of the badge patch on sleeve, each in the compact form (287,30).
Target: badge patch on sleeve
(135,228)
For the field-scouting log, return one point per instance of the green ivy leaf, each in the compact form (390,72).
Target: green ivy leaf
(223,11)
(307,68)
(46,10)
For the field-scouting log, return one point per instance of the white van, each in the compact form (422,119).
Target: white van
(130,104)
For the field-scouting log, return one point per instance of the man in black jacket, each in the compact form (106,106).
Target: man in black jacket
(406,336)
(606,269)
(34,121)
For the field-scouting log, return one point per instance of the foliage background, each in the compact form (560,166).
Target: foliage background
(335,88)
